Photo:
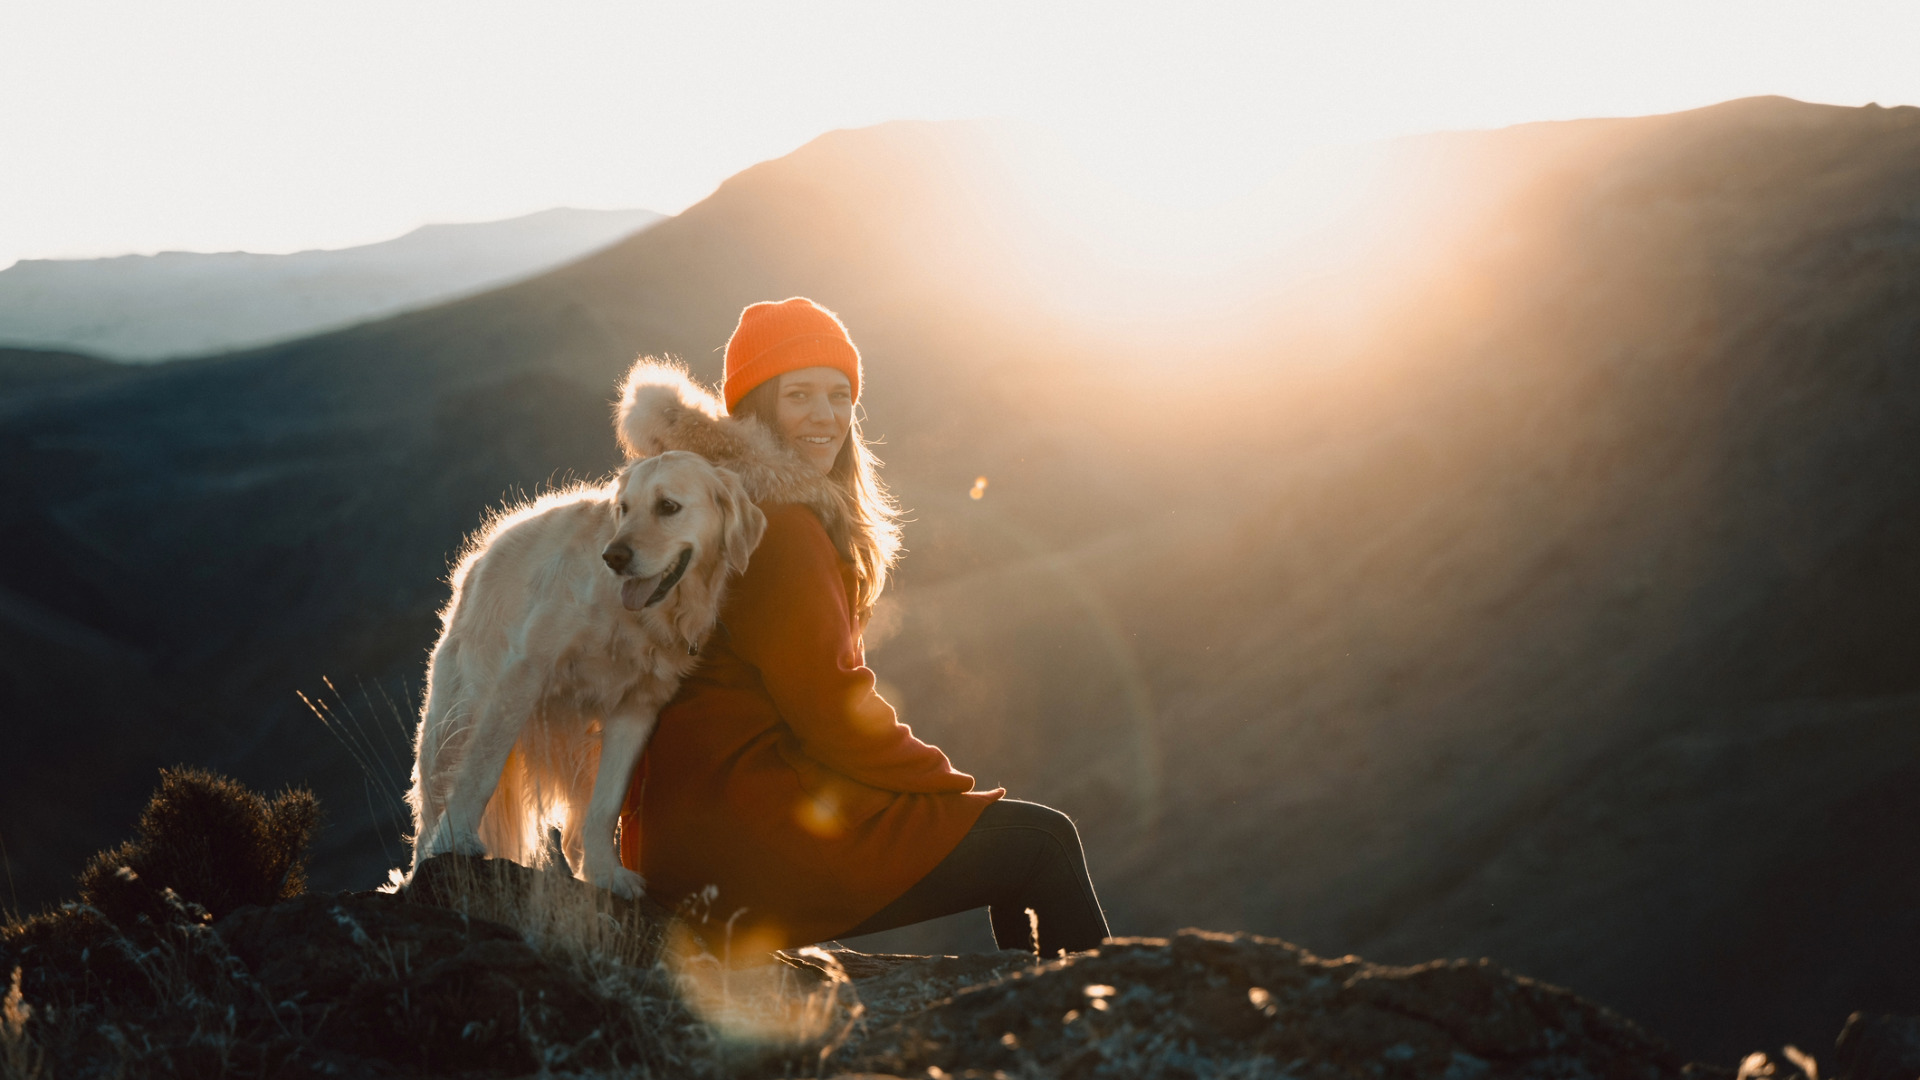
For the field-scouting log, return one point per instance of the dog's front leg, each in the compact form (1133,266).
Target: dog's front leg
(622,736)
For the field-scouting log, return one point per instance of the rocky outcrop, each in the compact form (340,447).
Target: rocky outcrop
(479,967)
(1204,1004)
(411,983)
(374,978)
(564,977)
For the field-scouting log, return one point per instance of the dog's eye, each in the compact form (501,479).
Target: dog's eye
(666,508)
(623,506)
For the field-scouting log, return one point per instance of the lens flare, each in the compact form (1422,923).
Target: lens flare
(751,998)
(820,815)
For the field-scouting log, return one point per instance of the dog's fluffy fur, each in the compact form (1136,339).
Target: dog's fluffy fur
(546,641)
(537,649)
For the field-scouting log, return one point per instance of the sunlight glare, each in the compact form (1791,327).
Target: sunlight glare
(217,125)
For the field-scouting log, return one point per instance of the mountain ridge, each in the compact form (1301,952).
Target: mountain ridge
(148,308)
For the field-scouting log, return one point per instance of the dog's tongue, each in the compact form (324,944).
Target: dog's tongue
(634,591)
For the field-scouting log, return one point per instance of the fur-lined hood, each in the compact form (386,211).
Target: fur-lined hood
(661,408)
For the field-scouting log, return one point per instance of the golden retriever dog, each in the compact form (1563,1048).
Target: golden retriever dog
(572,622)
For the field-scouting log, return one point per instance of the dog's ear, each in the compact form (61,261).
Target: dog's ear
(617,485)
(742,523)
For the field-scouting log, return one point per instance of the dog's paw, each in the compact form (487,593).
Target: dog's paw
(446,840)
(620,881)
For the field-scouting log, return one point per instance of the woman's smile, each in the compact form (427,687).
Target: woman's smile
(815,413)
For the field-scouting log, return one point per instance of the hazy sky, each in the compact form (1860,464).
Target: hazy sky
(270,126)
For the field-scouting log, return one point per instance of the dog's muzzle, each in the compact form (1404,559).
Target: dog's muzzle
(637,593)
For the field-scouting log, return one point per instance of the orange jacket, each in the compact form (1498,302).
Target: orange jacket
(778,776)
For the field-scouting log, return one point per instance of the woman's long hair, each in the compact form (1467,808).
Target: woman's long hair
(868,530)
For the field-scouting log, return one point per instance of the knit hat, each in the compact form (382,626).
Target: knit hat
(775,338)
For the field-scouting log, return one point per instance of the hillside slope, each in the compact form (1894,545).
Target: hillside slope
(1531,583)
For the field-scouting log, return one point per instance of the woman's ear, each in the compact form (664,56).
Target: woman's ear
(743,526)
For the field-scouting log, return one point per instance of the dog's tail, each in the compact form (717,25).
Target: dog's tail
(513,826)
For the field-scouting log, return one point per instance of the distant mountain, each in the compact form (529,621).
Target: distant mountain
(176,303)
(1529,573)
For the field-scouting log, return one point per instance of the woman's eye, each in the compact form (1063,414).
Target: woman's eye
(666,508)
(623,506)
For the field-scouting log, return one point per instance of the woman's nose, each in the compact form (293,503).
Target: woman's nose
(822,409)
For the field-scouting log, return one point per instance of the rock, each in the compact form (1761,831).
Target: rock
(544,903)
(414,985)
(445,975)
(1495,1014)
(493,1006)
(482,968)
(477,967)
(380,984)
(1205,1004)
(318,946)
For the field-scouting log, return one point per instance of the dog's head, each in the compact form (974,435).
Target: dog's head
(674,511)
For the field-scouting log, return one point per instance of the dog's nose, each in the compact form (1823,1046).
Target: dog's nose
(617,556)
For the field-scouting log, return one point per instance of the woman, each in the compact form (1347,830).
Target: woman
(779,790)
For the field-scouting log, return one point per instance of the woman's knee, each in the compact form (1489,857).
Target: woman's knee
(1014,813)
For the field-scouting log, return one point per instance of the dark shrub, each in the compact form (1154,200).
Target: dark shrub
(210,841)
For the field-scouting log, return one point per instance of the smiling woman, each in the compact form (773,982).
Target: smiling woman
(793,367)
(810,406)
(813,409)
(779,784)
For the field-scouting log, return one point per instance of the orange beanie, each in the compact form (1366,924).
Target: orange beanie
(775,338)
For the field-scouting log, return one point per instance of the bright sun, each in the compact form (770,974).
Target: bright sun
(212,124)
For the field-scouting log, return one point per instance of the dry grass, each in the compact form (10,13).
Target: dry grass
(689,1013)
(21,1058)
(161,997)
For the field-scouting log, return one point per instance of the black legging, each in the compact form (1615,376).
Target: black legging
(1018,856)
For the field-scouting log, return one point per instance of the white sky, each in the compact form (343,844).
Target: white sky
(274,126)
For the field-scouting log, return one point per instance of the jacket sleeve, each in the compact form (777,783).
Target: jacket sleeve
(789,617)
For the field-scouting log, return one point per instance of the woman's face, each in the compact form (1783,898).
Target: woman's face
(816,413)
